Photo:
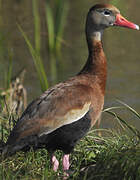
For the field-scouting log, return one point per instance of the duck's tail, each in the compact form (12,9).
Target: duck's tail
(7,150)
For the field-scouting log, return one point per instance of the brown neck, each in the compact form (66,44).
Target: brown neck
(96,63)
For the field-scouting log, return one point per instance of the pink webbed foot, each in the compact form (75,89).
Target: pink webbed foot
(66,165)
(55,163)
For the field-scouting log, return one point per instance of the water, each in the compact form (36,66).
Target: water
(121,47)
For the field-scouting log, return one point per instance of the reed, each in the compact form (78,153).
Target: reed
(55,20)
(37,61)
(35,50)
(37,26)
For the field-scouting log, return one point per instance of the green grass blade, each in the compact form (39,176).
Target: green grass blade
(132,129)
(37,61)
(37,25)
(60,19)
(50,26)
(130,108)
(112,108)
(45,84)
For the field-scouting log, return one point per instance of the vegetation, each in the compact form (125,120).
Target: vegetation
(55,20)
(55,27)
(35,51)
(113,155)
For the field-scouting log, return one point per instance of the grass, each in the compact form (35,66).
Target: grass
(55,22)
(113,155)
(37,61)
(116,158)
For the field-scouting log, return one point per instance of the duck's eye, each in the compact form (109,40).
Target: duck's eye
(106,12)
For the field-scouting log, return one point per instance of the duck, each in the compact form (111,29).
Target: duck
(64,113)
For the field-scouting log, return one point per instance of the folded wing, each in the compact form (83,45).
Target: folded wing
(61,105)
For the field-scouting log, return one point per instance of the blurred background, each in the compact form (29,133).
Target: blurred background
(46,40)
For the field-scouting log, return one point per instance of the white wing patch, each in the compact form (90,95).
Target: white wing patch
(75,114)
(71,116)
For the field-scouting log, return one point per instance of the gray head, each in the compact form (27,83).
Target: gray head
(102,16)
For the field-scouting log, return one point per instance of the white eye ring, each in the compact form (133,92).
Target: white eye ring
(106,13)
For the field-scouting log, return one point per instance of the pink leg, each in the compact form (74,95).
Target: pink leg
(66,163)
(55,163)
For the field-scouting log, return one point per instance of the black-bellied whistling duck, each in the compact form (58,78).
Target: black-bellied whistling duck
(65,113)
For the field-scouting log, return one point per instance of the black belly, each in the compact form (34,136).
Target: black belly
(63,138)
(66,137)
